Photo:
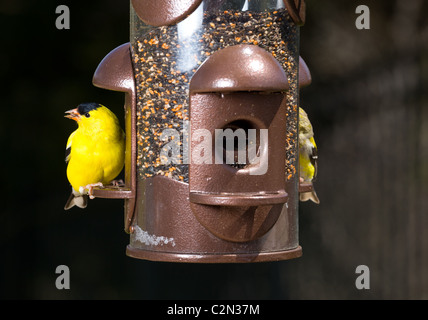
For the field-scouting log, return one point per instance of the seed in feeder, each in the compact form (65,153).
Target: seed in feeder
(158,54)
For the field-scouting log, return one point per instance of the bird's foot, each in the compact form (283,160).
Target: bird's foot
(118,183)
(90,188)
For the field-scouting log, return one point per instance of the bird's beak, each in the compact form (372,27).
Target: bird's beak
(73,114)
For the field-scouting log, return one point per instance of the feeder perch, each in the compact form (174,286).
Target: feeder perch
(211,120)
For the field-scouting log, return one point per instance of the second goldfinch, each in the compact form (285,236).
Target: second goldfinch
(307,155)
(95,151)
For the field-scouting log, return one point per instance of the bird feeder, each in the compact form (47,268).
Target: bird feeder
(211,119)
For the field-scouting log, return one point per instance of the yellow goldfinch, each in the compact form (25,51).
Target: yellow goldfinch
(307,155)
(95,151)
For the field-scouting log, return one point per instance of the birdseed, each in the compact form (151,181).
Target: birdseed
(165,62)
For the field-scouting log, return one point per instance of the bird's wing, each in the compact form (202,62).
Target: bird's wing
(68,147)
(314,157)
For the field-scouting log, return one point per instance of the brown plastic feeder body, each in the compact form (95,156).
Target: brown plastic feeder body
(297,11)
(164,12)
(252,98)
(115,73)
(223,213)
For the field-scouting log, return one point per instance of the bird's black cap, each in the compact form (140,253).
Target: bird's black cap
(86,107)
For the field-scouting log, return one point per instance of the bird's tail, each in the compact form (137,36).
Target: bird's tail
(311,195)
(79,200)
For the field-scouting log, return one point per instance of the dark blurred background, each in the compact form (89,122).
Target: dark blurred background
(368,105)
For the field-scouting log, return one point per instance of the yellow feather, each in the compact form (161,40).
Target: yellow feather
(312,140)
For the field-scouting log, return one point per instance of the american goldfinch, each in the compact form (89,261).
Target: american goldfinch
(95,151)
(307,155)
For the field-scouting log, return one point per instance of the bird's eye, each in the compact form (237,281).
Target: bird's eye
(87,115)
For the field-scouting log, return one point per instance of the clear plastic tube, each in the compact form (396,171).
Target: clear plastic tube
(166,57)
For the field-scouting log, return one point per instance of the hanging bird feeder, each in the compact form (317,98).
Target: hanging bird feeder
(211,119)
